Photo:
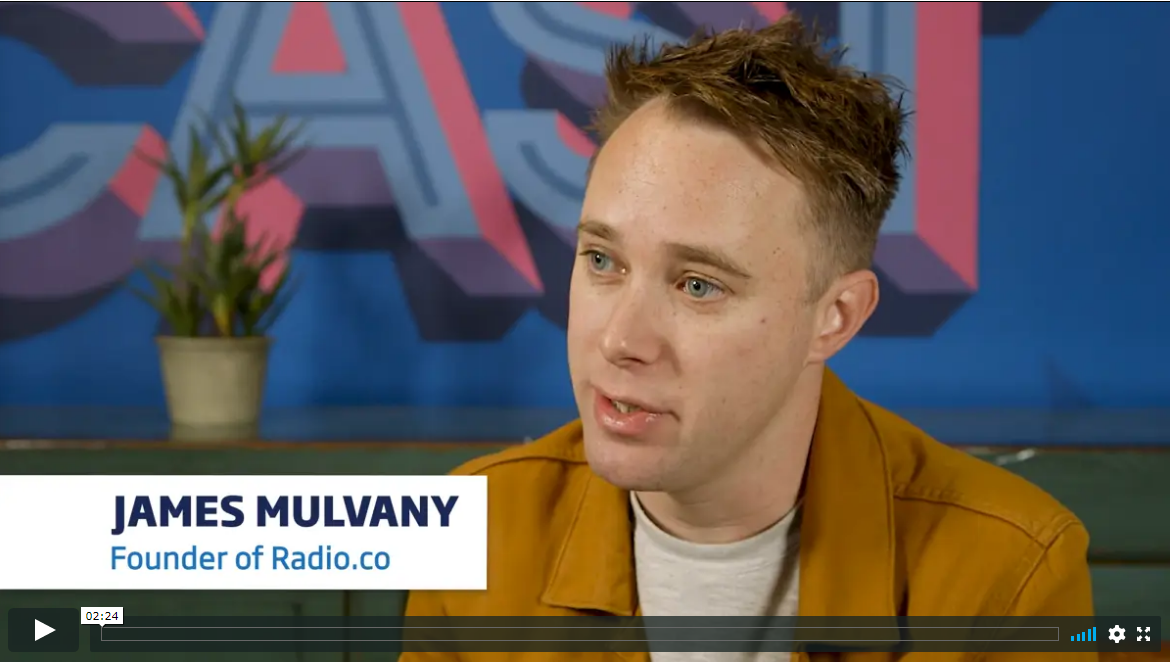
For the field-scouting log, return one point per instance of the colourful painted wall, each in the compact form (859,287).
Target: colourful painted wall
(1023,265)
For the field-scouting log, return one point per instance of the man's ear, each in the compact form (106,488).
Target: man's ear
(844,308)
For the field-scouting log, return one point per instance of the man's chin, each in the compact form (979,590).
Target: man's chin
(626,465)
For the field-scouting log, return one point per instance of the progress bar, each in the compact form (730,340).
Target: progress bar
(577,634)
(548,634)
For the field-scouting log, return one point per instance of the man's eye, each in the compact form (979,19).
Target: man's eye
(700,289)
(598,261)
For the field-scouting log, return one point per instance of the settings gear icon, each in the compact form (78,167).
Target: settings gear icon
(1117,634)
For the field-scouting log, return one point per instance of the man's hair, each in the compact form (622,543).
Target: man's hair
(837,130)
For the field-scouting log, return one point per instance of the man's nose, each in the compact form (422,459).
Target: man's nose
(632,334)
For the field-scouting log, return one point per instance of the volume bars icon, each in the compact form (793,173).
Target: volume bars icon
(1087,635)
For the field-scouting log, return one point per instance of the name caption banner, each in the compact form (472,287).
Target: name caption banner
(380,533)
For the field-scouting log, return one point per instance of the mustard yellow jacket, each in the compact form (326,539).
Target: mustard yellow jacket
(894,523)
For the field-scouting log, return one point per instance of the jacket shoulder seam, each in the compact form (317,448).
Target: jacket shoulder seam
(1043,535)
(1027,577)
(1029,572)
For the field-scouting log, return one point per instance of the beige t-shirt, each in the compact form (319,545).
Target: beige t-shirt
(751,578)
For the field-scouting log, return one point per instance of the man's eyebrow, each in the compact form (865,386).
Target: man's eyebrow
(680,252)
(599,230)
(709,257)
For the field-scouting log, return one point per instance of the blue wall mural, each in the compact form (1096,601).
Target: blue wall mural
(432,218)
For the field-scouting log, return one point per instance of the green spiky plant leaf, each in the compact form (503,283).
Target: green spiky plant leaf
(257,157)
(217,288)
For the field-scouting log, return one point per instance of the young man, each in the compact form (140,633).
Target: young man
(718,468)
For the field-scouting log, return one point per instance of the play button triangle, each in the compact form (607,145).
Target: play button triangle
(41,630)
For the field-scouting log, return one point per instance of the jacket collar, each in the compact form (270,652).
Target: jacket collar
(847,537)
(847,533)
(595,569)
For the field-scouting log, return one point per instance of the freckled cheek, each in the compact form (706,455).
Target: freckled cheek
(587,314)
(731,364)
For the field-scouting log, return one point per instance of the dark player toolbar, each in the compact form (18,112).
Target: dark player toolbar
(129,633)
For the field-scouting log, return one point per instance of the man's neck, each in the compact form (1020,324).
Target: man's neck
(756,491)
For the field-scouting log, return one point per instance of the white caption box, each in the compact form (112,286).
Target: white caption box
(377,533)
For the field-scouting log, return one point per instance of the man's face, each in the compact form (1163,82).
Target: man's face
(688,300)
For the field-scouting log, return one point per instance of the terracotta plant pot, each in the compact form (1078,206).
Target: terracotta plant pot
(214,386)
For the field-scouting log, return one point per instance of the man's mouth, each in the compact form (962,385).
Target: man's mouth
(624,407)
(626,404)
(624,416)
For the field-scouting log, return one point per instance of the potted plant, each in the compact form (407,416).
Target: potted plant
(215,300)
